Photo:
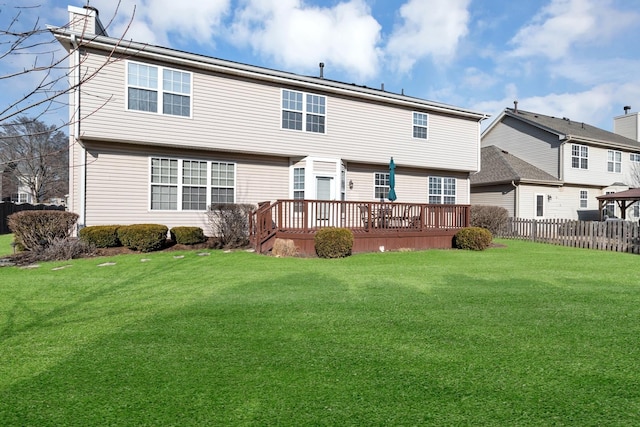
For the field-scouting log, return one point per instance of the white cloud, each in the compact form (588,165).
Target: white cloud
(193,20)
(565,23)
(428,28)
(297,36)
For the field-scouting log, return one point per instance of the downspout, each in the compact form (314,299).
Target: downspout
(516,211)
(82,167)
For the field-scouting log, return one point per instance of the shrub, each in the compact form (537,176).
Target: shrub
(284,248)
(493,218)
(230,223)
(101,236)
(35,230)
(333,242)
(143,237)
(57,250)
(187,235)
(473,238)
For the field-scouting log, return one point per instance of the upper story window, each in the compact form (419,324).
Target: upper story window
(583,198)
(442,190)
(381,185)
(579,156)
(303,111)
(420,125)
(614,161)
(635,157)
(190,185)
(158,89)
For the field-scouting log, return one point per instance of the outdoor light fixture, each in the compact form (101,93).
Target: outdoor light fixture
(549,197)
(350,184)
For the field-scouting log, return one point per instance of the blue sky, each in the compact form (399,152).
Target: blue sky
(567,58)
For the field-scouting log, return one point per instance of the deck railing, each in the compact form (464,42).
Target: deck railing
(312,215)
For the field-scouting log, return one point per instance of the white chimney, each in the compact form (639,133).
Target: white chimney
(628,124)
(85,21)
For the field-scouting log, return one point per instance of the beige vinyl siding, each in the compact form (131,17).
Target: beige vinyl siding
(628,126)
(118,184)
(597,174)
(412,185)
(499,195)
(527,142)
(237,115)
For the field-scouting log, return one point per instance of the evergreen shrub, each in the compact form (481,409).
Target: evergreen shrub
(333,242)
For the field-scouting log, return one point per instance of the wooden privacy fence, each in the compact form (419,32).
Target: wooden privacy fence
(8,208)
(618,236)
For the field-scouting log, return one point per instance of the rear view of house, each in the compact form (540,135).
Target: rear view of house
(159,135)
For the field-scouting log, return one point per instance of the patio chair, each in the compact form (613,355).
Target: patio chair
(364,216)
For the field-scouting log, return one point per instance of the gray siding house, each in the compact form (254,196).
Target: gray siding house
(540,166)
(158,135)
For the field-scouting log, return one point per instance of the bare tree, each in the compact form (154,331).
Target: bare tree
(44,63)
(37,155)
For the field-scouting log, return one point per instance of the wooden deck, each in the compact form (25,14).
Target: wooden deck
(375,225)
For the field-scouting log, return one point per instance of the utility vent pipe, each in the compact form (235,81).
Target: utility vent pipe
(322,70)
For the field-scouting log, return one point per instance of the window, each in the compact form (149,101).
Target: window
(142,91)
(194,185)
(381,185)
(21,198)
(298,189)
(300,108)
(609,210)
(579,156)
(223,177)
(635,210)
(635,157)
(298,183)
(164,184)
(614,161)
(539,204)
(189,181)
(583,198)
(442,190)
(144,88)
(420,125)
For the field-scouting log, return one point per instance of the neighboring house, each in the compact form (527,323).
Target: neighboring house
(539,166)
(11,190)
(163,134)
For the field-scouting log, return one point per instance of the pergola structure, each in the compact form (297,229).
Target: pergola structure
(624,199)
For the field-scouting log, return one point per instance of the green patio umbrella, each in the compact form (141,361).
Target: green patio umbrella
(392,181)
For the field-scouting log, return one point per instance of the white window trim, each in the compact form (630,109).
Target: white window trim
(387,187)
(535,205)
(180,185)
(614,162)
(442,195)
(579,157)
(425,127)
(304,112)
(159,89)
(584,199)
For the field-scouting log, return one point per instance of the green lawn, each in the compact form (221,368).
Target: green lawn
(527,334)
(5,244)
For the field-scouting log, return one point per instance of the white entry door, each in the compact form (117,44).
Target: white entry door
(324,191)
